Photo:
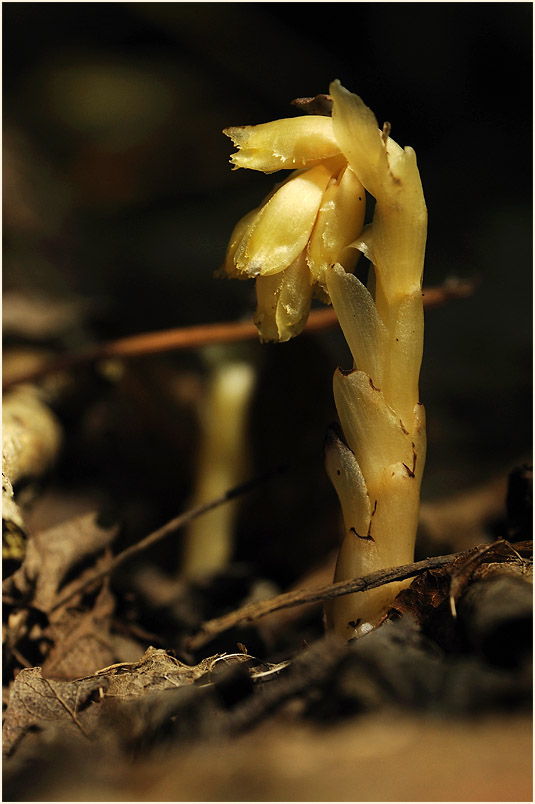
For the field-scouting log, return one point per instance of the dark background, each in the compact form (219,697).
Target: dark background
(118,191)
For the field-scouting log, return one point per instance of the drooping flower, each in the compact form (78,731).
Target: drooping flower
(315,218)
(301,228)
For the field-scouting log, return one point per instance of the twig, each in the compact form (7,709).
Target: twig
(254,611)
(205,334)
(170,527)
(259,609)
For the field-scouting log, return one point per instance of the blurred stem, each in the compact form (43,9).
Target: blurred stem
(223,456)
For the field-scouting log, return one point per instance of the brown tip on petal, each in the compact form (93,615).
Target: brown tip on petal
(319,104)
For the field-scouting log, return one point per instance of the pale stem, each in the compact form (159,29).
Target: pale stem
(223,460)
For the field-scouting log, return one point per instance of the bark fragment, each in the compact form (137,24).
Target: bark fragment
(31,438)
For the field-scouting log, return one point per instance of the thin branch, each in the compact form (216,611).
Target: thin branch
(204,334)
(170,527)
(254,611)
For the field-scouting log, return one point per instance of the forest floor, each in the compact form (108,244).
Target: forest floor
(125,681)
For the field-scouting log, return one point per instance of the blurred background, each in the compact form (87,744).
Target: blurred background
(119,202)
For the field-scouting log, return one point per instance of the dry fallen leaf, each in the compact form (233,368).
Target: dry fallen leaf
(36,703)
(52,554)
(75,639)
(101,704)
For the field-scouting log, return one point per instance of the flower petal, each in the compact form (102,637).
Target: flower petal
(289,143)
(238,233)
(364,242)
(283,302)
(339,222)
(282,227)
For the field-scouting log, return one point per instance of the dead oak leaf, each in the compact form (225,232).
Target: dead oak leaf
(139,694)
(74,641)
(80,639)
(39,703)
(157,670)
(53,554)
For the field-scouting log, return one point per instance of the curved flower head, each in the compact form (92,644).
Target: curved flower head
(301,228)
(315,218)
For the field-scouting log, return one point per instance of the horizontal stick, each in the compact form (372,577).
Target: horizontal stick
(254,611)
(204,334)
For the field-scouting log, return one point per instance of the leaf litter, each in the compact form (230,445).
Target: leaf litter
(92,668)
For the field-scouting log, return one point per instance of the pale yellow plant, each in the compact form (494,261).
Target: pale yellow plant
(301,228)
(302,236)
(223,457)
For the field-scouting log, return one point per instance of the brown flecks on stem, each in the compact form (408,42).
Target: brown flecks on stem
(404,429)
(367,538)
(386,131)
(373,386)
(414,457)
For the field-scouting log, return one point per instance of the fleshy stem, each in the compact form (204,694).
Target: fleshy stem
(377,466)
